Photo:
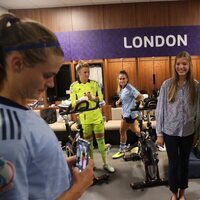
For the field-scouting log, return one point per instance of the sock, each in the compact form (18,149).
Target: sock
(122,146)
(102,147)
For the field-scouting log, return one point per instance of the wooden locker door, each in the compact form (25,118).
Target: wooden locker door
(196,67)
(145,75)
(172,61)
(161,71)
(113,68)
(129,65)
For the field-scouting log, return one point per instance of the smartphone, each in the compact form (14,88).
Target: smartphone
(82,153)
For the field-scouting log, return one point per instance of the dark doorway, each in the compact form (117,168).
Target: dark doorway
(62,83)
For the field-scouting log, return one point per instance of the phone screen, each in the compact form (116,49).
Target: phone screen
(82,153)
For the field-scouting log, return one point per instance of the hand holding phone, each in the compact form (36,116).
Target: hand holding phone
(82,153)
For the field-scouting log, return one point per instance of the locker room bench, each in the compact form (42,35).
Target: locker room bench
(111,128)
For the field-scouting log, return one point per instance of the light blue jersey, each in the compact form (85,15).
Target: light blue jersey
(128,97)
(32,147)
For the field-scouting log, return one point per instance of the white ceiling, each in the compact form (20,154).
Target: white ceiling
(30,4)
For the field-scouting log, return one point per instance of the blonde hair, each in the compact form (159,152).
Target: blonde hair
(81,64)
(175,78)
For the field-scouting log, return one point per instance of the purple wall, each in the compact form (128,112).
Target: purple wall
(125,43)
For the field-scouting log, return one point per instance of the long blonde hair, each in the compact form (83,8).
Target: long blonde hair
(175,78)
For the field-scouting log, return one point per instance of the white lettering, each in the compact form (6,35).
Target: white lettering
(148,41)
(126,46)
(170,40)
(182,40)
(139,39)
(159,41)
(156,41)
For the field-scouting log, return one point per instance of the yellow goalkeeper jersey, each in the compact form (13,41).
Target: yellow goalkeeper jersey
(77,91)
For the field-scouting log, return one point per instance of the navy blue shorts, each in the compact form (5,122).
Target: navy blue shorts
(129,119)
